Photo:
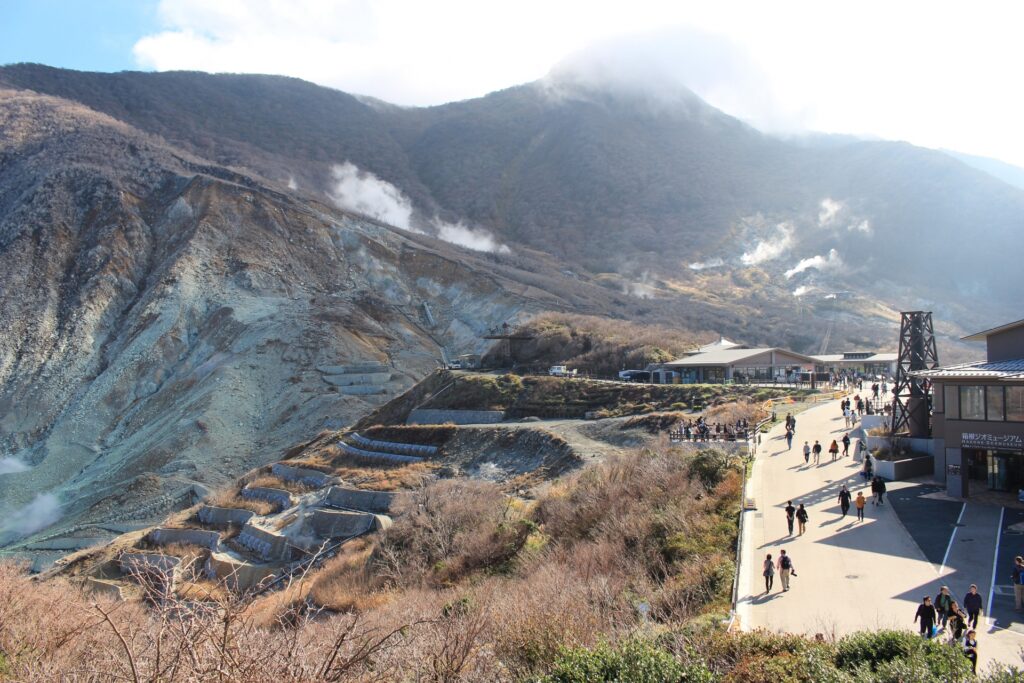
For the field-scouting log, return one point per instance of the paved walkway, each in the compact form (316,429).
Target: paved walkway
(853,575)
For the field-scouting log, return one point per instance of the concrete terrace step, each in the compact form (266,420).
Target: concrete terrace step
(356,499)
(374,455)
(238,573)
(265,543)
(302,475)
(223,517)
(103,587)
(199,537)
(279,497)
(394,446)
(366,367)
(328,524)
(358,378)
(362,390)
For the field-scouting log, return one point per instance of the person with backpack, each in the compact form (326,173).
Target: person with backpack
(816,449)
(844,500)
(807,453)
(834,450)
(926,614)
(846,445)
(1017,579)
(801,518)
(859,503)
(790,516)
(972,605)
(768,573)
(785,566)
(943,606)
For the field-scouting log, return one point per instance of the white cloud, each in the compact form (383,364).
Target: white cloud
(863,226)
(823,263)
(412,52)
(477,239)
(11,464)
(710,263)
(829,208)
(801,290)
(770,249)
(365,193)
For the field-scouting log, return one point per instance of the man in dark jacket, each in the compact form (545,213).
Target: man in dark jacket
(844,500)
(926,613)
(846,445)
(943,605)
(972,605)
(790,516)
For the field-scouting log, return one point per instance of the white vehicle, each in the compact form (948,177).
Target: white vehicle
(455,365)
(561,371)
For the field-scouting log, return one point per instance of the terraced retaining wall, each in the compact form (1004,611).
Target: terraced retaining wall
(199,537)
(430,416)
(266,544)
(355,499)
(341,524)
(223,517)
(302,474)
(279,497)
(374,455)
(238,574)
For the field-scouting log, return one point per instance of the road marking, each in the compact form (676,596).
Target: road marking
(949,546)
(995,560)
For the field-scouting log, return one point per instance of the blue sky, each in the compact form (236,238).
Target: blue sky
(91,35)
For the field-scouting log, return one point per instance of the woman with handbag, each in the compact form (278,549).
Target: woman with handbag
(768,573)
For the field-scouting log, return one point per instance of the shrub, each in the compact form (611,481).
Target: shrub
(632,660)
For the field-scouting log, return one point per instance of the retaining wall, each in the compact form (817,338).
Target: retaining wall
(338,523)
(238,574)
(223,517)
(268,545)
(302,474)
(355,499)
(394,446)
(140,563)
(358,378)
(909,468)
(374,455)
(429,416)
(279,497)
(362,390)
(367,367)
(199,537)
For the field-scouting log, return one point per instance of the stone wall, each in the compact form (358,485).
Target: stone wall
(279,497)
(374,455)
(302,474)
(223,517)
(199,537)
(341,524)
(416,449)
(429,416)
(268,545)
(238,574)
(355,499)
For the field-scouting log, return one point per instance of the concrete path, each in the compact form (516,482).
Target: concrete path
(851,575)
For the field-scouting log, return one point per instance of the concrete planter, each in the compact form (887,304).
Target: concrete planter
(907,468)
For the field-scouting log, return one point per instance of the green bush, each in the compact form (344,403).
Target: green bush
(632,661)
(895,656)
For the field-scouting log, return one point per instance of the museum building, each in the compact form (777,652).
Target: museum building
(978,416)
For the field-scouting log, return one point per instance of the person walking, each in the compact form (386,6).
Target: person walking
(844,500)
(816,449)
(926,615)
(971,649)
(957,623)
(943,606)
(807,453)
(972,605)
(801,518)
(790,516)
(1017,579)
(846,445)
(785,566)
(789,439)
(792,424)
(769,573)
(846,417)
(834,450)
(859,503)
(881,490)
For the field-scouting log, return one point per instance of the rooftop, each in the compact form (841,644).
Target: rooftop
(729,356)
(856,357)
(1002,370)
(981,336)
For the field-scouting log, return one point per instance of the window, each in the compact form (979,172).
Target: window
(937,396)
(1015,403)
(972,403)
(994,404)
(951,399)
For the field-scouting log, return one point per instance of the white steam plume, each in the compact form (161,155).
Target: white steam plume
(801,290)
(11,464)
(43,511)
(364,192)
(829,209)
(770,249)
(476,239)
(710,263)
(818,262)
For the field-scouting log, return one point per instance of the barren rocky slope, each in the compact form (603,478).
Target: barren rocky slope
(166,323)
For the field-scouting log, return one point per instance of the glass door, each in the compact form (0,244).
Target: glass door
(998,471)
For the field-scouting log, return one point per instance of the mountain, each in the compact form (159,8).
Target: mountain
(618,181)
(1008,173)
(167,323)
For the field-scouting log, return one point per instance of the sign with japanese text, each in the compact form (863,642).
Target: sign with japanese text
(995,442)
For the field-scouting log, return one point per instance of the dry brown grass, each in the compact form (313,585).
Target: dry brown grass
(345,583)
(273,482)
(229,498)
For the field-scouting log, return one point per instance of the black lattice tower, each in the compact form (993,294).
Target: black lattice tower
(917,352)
